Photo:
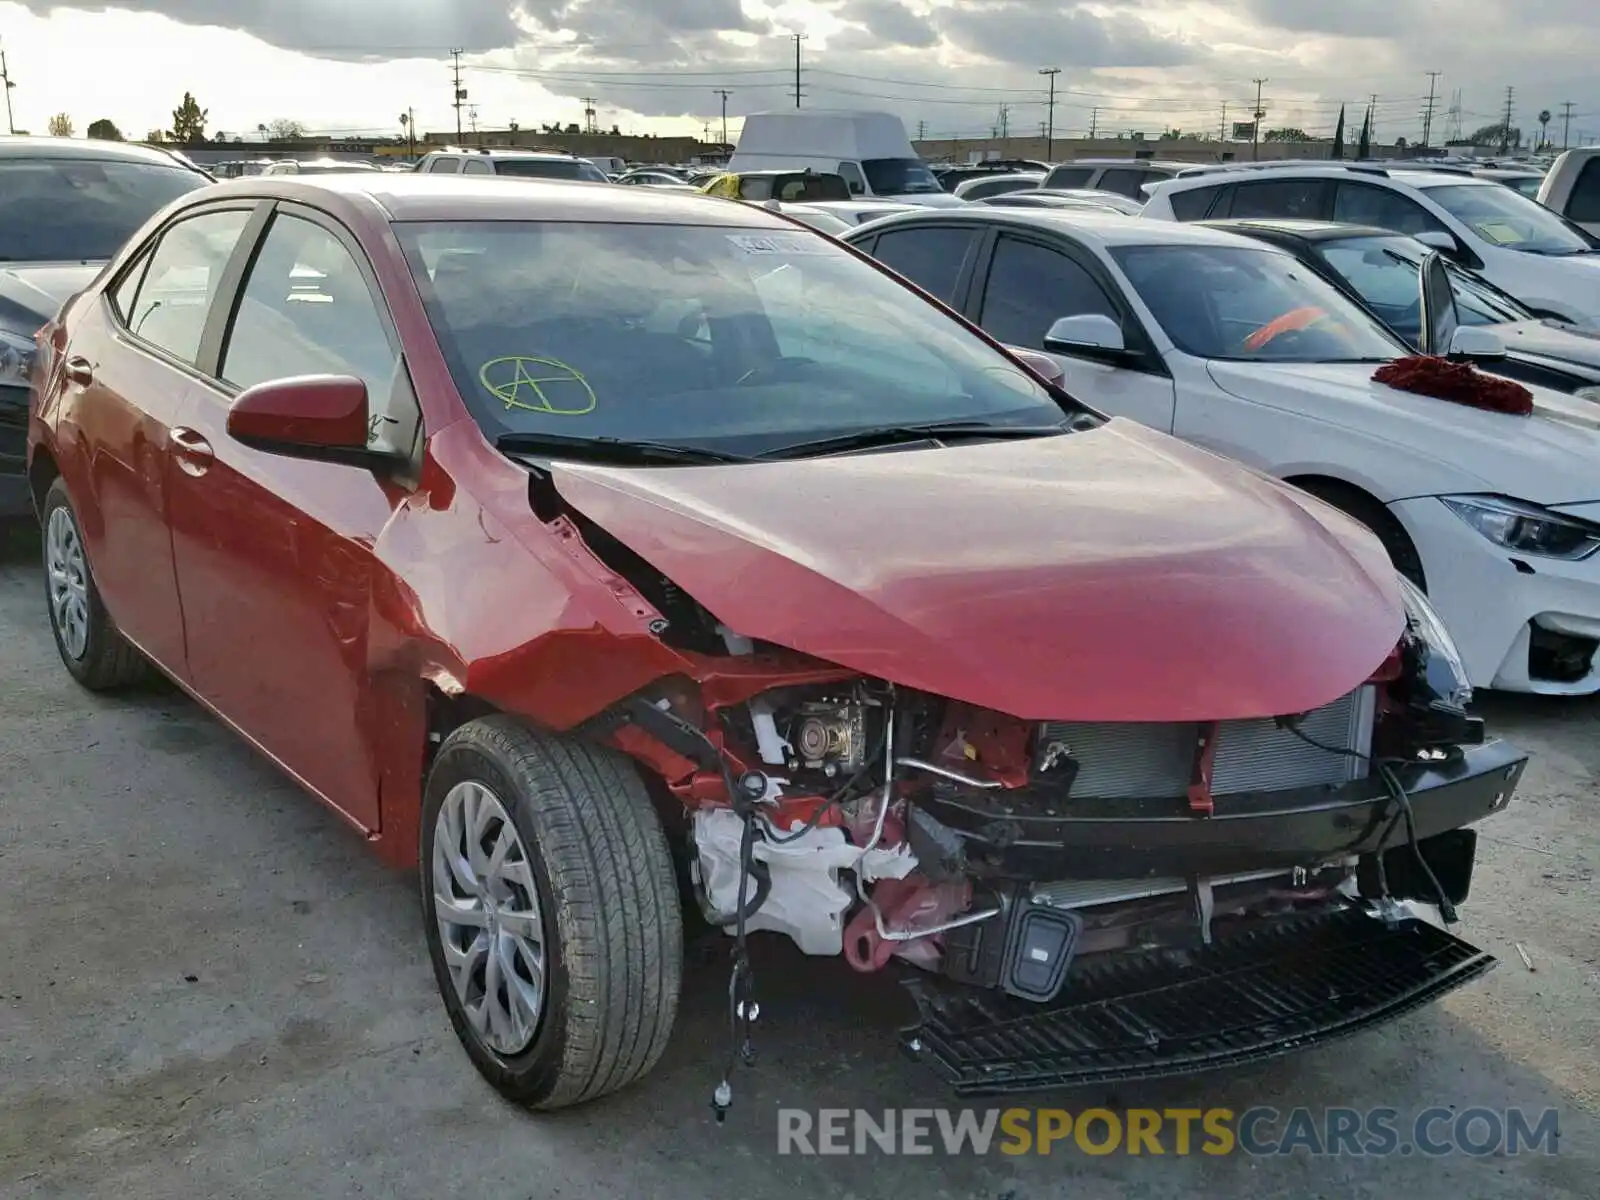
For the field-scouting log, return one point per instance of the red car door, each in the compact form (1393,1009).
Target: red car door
(275,555)
(127,378)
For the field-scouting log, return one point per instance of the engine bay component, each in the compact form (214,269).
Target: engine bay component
(829,736)
(806,900)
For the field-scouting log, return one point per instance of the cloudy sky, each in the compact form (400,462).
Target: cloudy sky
(946,66)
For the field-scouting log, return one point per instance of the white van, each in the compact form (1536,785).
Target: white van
(870,150)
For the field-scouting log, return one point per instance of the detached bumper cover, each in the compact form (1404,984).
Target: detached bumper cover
(1054,838)
(1291,984)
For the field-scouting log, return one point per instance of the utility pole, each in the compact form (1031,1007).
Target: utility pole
(472,122)
(1005,115)
(1255,124)
(1050,110)
(1222,131)
(1505,130)
(590,112)
(1372,124)
(922,131)
(724,93)
(1427,113)
(5,78)
(460,92)
(1094,123)
(798,38)
(1566,122)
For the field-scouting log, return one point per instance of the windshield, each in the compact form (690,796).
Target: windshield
(1383,271)
(550,168)
(1503,217)
(899,176)
(1251,305)
(732,339)
(72,210)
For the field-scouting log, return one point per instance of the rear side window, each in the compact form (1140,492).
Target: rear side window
(930,258)
(1301,198)
(1124,182)
(444,166)
(1194,204)
(1584,203)
(477,166)
(854,180)
(755,187)
(1364,204)
(1069,177)
(180,283)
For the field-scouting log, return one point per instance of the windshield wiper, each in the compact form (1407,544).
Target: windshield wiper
(889,435)
(612,449)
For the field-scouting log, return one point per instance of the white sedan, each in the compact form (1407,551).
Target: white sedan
(1236,346)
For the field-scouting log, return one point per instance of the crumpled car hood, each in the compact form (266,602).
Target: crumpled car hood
(1110,575)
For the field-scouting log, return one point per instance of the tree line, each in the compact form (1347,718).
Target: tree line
(188,128)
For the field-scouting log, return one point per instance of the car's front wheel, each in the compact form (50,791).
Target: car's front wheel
(95,653)
(552,912)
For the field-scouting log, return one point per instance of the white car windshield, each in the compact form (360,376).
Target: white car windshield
(1251,305)
(61,209)
(1503,217)
(1384,272)
(733,339)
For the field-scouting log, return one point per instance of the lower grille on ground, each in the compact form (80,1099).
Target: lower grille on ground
(1287,985)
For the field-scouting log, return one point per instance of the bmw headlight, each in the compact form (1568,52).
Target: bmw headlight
(1440,669)
(1526,528)
(16,359)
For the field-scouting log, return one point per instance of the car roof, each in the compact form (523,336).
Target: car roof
(1160,163)
(1105,228)
(84,149)
(409,196)
(502,152)
(1310,231)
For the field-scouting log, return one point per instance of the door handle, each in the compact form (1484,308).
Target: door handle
(78,370)
(194,453)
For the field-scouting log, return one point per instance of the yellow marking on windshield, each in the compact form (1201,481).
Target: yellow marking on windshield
(541,385)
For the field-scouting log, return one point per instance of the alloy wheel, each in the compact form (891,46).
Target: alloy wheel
(67,573)
(490,925)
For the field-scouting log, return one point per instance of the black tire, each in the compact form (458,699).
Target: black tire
(108,661)
(1354,502)
(608,899)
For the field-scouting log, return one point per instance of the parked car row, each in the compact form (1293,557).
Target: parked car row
(1043,600)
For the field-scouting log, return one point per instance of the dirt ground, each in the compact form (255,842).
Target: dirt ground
(209,988)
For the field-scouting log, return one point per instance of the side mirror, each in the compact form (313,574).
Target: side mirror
(318,417)
(1042,365)
(1469,342)
(1087,335)
(1440,321)
(1438,239)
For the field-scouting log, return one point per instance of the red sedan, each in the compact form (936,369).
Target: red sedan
(549,532)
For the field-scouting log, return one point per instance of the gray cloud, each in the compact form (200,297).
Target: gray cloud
(340,29)
(885,23)
(1350,18)
(1030,31)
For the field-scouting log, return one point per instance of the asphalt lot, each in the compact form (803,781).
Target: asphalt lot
(209,988)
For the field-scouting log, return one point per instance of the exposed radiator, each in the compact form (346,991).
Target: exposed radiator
(1130,761)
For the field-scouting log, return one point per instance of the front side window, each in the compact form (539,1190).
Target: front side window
(1192,204)
(900,176)
(306,310)
(728,338)
(855,181)
(444,166)
(174,298)
(930,258)
(1031,287)
(1123,182)
(1501,217)
(1251,305)
(1365,204)
(477,166)
(78,210)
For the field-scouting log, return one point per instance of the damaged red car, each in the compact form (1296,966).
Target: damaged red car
(592,550)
